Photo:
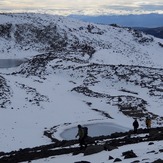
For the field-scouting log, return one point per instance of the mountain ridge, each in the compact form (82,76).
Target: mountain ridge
(157,32)
(152,20)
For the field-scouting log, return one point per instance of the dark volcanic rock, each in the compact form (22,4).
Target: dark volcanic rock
(136,161)
(158,161)
(108,147)
(93,149)
(111,158)
(117,160)
(161,150)
(5,93)
(82,162)
(129,154)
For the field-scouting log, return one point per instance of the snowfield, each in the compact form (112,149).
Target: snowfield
(74,73)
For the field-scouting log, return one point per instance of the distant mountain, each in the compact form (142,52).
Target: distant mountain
(143,20)
(157,32)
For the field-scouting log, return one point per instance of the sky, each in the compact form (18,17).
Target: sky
(87,7)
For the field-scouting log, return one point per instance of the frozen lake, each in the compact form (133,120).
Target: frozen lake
(97,129)
(8,63)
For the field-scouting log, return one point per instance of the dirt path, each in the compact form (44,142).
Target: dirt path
(66,147)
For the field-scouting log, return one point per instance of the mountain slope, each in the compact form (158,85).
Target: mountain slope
(31,34)
(75,73)
(157,32)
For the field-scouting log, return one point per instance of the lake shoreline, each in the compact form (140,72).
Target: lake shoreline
(97,129)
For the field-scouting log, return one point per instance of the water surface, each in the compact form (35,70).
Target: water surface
(97,129)
(9,63)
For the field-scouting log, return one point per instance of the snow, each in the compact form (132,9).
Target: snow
(23,122)
(140,149)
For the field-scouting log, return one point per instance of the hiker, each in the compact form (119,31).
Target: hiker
(148,122)
(82,134)
(135,125)
(119,100)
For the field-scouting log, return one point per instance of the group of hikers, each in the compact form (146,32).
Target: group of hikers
(136,124)
(83,131)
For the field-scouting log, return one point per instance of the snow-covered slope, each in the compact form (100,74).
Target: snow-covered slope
(75,72)
(24,35)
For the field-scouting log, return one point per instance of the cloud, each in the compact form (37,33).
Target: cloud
(151,7)
(65,7)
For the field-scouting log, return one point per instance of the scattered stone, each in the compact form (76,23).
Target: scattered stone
(117,160)
(158,161)
(136,161)
(145,159)
(151,152)
(82,162)
(129,154)
(151,143)
(161,150)
(111,158)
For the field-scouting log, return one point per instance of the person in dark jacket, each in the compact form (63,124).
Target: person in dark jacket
(82,135)
(135,125)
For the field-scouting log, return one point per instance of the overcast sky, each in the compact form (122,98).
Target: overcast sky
(91,7)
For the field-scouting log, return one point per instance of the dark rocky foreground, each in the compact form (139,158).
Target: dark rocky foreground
(95,145)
